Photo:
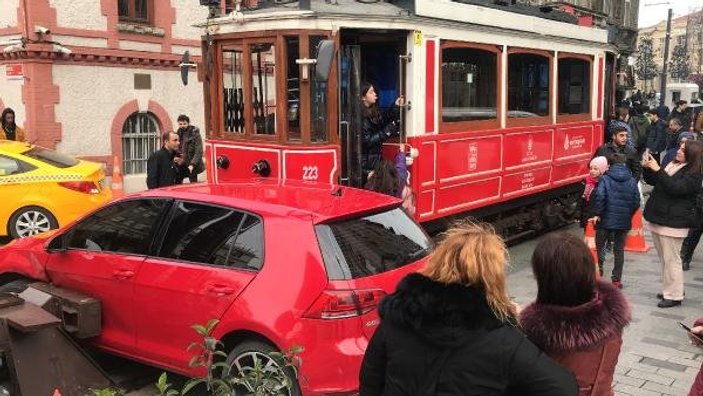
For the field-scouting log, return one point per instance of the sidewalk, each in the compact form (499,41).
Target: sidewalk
(656,358)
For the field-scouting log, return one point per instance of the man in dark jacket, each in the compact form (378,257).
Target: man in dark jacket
(656,137)
(621,120)
(619,145)
(639,128)
(616,200)
(682,114)
(161,170)
(190,151)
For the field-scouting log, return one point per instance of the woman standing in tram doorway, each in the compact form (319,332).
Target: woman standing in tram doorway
(375,127)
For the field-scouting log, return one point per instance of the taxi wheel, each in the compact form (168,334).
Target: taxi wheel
(242,359)
(31,221)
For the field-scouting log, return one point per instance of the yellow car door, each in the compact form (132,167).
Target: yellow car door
(12,188)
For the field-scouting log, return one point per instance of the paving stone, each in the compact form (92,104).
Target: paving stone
(663,364)
(660,379)
(631,390)
(623,379)
(686,362)
(654,341)
(668,315)
(667,390)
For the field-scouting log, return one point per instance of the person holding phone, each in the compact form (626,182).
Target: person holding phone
(670,212)
(695,335)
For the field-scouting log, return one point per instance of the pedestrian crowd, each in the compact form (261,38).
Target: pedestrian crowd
(451,329)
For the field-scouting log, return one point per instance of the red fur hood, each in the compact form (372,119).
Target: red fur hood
(555,328)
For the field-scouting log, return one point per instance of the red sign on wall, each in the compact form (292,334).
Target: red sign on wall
(13,71)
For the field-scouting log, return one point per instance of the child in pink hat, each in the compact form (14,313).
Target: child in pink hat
(596,169)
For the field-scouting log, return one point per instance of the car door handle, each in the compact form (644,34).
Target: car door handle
(122,274)
(220,290)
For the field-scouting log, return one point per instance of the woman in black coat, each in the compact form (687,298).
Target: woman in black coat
(670,212)
(376,127)
(452,330)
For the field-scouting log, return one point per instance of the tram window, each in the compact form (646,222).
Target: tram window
(318,99)
(263,84)
(468,85)
(293,87)
(574,86)
(233,89)
(528,85)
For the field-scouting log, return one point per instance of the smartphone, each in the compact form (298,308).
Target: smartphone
(646,156)
(688,329)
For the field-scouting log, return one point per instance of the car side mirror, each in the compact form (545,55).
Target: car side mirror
(57,245)
(325,57)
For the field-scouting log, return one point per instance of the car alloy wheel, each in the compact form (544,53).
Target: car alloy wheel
(244,358)
(31,221)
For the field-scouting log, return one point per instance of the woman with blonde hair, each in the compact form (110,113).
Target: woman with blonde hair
(451,329)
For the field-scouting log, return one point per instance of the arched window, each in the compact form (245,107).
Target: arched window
(140,138)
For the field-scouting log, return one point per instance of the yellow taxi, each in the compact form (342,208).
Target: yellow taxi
(41,189)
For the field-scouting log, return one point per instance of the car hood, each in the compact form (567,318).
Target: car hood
(26,257)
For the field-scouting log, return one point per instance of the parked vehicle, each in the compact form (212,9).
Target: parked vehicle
(680,91)
(278,263)
(42,189)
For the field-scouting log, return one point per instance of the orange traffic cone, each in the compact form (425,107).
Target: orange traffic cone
(590,239)
(116,185)
(635,237)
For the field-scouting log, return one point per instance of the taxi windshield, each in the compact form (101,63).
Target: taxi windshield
(50,157)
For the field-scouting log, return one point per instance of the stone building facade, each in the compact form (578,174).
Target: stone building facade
(686,29)
(104,80)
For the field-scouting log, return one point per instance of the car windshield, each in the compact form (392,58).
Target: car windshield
(50,157)
(371,244)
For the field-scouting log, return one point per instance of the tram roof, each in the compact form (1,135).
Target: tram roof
(417,14)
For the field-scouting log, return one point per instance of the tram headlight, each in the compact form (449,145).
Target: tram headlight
(222,162)
(261,168)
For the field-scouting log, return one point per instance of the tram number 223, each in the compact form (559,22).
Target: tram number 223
(310,173)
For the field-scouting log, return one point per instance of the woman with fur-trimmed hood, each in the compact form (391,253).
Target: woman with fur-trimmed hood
(576,320)
(451,330)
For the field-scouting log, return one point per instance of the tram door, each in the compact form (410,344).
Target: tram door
(350,115)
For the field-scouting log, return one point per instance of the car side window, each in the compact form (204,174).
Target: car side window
(214,235)
(247,248)
(11,166)
(126,227)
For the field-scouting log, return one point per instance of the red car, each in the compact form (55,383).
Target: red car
(279,264)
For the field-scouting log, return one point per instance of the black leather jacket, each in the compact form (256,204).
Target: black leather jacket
(373,133)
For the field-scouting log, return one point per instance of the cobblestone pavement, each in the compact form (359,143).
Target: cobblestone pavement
(656,358)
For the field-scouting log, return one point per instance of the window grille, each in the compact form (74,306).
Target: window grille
(140,138)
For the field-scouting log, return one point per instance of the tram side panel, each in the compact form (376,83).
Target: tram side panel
(458,172)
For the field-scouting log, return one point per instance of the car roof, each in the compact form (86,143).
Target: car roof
(11,146)
(322,202)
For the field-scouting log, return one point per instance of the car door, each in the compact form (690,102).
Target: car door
(104,254)
(13,187)
(208,255)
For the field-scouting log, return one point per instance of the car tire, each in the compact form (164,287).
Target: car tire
(31,220)
(15,286)
(240,357)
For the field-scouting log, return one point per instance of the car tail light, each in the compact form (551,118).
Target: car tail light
(337,304)
(86,187)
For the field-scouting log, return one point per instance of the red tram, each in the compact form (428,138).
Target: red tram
(503,109)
